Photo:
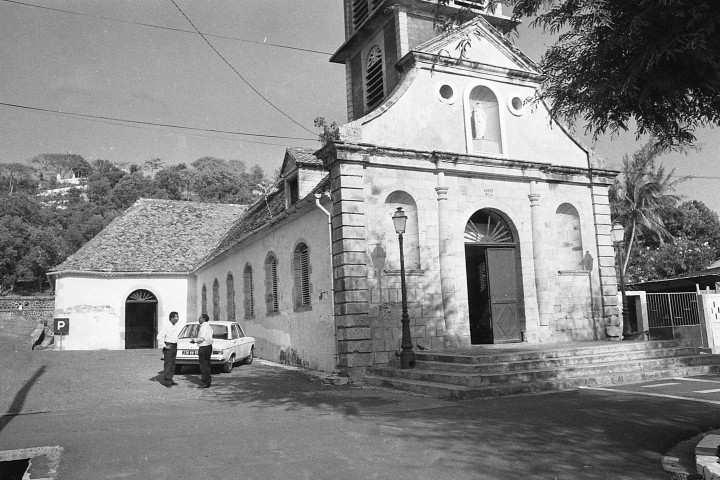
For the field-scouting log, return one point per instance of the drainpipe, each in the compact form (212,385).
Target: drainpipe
(318,196)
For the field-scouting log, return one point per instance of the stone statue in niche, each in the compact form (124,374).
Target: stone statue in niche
(479,122)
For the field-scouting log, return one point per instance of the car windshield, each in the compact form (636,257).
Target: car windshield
(189,331)
(192,330)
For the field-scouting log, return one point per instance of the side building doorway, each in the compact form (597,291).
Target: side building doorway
(492,279)
(140,320)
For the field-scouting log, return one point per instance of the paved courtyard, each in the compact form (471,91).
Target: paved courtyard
(112,419)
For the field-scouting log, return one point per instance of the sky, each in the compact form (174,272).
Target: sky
(132,80)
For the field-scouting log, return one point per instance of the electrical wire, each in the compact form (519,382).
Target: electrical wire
(161,27)
(139,122)
(238,73)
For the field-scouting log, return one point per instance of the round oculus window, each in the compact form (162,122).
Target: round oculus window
(446,93)
(516,105)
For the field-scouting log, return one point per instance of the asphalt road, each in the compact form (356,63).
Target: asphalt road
(113,420)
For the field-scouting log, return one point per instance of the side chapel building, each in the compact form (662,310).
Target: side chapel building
(507,240)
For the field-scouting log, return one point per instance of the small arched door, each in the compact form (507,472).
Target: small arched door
(490,254)
(140,320)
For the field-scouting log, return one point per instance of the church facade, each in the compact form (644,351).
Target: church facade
(508,230)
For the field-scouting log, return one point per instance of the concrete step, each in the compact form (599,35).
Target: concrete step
(523,352)
(544,374)
(474,367)
(459,392)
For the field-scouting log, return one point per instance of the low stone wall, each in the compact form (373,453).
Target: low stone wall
(19,319)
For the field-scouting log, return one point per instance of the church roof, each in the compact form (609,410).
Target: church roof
(165,236)
(300,157)
(265,211)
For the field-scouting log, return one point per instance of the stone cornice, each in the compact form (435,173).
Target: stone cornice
(361,153)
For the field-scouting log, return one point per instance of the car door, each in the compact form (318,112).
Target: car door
(243,343)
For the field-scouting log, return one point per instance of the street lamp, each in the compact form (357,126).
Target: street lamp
(618,237)
(407,356)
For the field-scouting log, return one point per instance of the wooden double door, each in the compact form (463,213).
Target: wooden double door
(492,294)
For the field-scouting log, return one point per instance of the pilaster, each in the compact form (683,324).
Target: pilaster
(350,272)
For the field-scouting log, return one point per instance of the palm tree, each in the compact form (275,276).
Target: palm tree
(642,196)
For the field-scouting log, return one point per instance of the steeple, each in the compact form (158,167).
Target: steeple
(378,33)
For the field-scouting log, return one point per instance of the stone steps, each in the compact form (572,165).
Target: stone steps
(534,370)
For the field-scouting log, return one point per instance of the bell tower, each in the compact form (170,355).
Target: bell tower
(378,33)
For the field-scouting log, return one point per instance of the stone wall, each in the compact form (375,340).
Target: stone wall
(19,319)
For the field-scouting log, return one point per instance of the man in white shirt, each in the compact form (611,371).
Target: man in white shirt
(168,341)
(204,341)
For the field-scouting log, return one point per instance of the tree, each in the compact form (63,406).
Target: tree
(17,175)
(130,188)
(641,196)
(654,61)
(696,222)
(669,260)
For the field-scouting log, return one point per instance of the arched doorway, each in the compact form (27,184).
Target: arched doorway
(140,320)
(492,279)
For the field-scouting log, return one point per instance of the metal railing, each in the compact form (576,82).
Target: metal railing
(672,309)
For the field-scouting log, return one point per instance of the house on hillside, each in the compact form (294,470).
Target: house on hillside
(508,231)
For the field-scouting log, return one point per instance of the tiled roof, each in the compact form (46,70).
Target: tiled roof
(300,157)
(305,156)
(156,236)
(261,213)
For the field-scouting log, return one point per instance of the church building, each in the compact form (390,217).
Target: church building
(508,220)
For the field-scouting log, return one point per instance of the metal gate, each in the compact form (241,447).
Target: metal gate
(672,309)
(674,316)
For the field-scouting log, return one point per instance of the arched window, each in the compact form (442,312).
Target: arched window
(216,300)
(411,239)
(374,83)
(484,121)
(301,275)
(230,287)
(249,300)
(569,238)
(203,300)
(271,284)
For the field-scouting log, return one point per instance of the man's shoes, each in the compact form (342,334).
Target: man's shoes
(168,384)
(203,386)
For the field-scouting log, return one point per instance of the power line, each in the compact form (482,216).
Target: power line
(239,74)
(139,122)
(161,27)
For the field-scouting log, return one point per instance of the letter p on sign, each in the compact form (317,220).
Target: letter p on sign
(61,326)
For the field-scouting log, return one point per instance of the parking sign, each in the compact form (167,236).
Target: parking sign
(61,326)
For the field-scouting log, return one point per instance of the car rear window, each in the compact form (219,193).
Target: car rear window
(219,331)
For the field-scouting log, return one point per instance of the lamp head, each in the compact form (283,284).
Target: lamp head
(399,219)
(618,233)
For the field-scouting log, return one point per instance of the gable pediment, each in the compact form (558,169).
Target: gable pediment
(479,43)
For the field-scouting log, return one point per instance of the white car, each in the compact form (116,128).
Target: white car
(230,345)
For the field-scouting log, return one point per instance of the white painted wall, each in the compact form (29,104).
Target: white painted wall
(303,338)
(96,307)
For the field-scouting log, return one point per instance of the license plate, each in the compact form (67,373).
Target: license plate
(189,352)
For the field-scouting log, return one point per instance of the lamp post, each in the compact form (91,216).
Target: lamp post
(407,356)
(618,237)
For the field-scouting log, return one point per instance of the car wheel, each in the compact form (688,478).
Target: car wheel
(249,359)
(227,368)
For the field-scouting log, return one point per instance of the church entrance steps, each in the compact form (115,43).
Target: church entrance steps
(508,370)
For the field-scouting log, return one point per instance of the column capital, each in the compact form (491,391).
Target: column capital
(534,199)
(442,192)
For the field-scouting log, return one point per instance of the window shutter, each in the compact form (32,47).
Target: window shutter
(273,269)
(305,276)
(360,12)
(374,88)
